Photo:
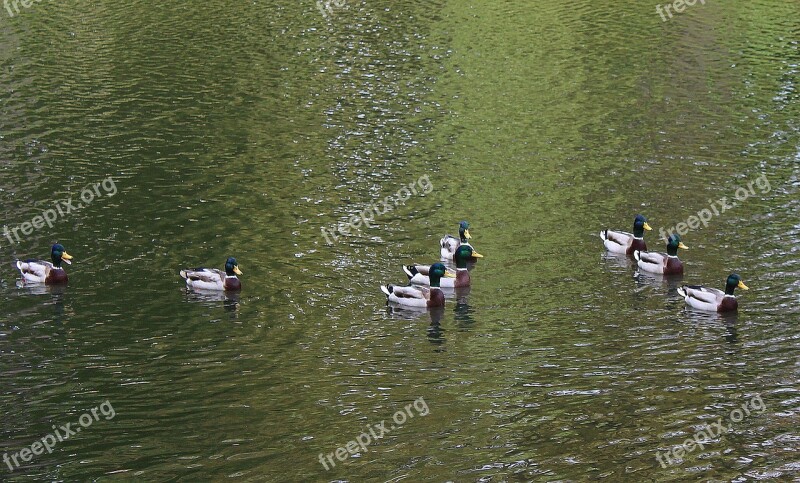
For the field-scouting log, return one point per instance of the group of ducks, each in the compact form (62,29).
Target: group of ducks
(697,296)
(426,281)
(52,273)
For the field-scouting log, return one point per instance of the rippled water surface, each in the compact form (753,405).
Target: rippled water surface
(244,129)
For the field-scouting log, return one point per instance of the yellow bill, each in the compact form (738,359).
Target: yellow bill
(646,226)
(467,235)
(681,245)
(236,270)
(743,286)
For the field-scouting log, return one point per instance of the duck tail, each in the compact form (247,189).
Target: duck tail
(682,291)
(387,289)
(637,255)
(410,270)
(183,274)
(604,234)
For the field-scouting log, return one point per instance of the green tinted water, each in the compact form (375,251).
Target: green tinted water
(243,130)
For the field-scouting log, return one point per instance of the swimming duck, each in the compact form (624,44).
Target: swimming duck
(449,243)
(38,271)
(418,274)
(419,297)
(666,263)
(711,299)
(624,242)
(214,279)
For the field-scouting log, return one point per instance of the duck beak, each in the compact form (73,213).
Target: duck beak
(66,257)
(236,270)
(467,235)
(681,245)
(477,255)
(646,226)
(743,286)
(449,275)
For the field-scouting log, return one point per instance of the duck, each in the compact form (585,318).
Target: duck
(449,243)
(712,299)
(666,263)
(214,279)
(418,274)
(49,273)
(419,297)
(624,242)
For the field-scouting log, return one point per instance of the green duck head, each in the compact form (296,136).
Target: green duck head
(463,231)
(734,281)
(59,254)
(464,254)
(232,268)
(639,226)
(436,272)
(673,243)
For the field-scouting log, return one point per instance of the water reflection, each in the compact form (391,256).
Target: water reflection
(616,259)
(230,300)
(435,330)
(463,312)
(714,319)
(657,280)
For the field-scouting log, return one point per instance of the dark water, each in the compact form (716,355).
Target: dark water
(244,129)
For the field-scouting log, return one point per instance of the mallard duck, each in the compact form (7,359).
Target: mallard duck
(38,271)
(624,242)
(213,279)
(449,243)
(711,299)
(419,297)
(666,263)
(418,274)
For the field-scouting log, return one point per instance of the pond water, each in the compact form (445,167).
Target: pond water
(250,130)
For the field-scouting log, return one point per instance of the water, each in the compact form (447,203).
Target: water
(243,130)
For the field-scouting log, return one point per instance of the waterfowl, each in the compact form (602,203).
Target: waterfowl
(419,297)
(449,243)
(711,299)
(50,273)
(624,242)
(666,263)
(418,274)
(214,279)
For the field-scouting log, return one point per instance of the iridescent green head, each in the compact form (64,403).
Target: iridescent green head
(463,255)
(232,268)
(463,231)
(673,243)
(58,253)
(435,273)
(639,226)
(734,281)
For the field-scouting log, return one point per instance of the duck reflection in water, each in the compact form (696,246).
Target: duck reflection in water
(435,332)
(728,319)
(654,280)
(230,300)
(56,293)
(463,312)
